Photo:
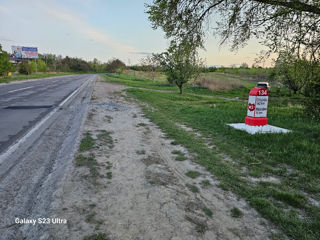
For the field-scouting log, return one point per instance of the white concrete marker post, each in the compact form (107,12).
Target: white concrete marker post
(256,120)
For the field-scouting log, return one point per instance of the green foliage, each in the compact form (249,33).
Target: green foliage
(25,68)
(115,66)
(5,65)
(207,211)
(87,142)
(97,236)
(41,66)
(278,23)
(33,67)
(193,174)
(180,64)
(292,71)
(236,212)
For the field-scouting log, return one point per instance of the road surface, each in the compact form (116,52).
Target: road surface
(23,104)
(39,127)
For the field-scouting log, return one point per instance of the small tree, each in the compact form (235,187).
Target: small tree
(151,65)
(180,64)
(41,66)
(292,71)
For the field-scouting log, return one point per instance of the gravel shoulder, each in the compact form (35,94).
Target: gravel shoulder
(127,184)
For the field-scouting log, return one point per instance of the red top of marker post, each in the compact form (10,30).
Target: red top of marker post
(259,92)
(257,107)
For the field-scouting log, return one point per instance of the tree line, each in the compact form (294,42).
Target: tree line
(57,63)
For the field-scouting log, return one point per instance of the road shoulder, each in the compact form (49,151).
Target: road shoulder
(128,181)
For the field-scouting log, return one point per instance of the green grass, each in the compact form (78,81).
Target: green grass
(87,142)
(236,212)
(293,158)
(207,211)
(97,236)
(180,155)
(193,174)
(141,152)
(89,162)
(109,175)
(193,188)
(205,183)
(32,76)
(105,137)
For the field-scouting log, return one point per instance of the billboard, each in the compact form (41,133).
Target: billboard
(19,52)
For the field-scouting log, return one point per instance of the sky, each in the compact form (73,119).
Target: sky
(102,29)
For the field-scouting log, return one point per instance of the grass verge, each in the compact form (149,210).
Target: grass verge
(292,159)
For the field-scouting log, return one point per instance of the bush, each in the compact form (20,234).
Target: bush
(41,65)
(25,68)
(5,65)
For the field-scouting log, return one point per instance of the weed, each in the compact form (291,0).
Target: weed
(236,212)
(87,142)
(108,167)
(207,211)
(105,137)
(149,160)
(141,125)
(134,116)
(141,152)
(80,160)
(109,175)
(193,188)
(92,205)
(180,155)
(97,236)
(193,174)
(205,183)
(180,158)
(177,152)
(90,217)
(88,161)
(174,143)
(201,226)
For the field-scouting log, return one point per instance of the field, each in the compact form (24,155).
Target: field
(32,76)
(277,174)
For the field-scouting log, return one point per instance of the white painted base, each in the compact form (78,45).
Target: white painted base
(258,129)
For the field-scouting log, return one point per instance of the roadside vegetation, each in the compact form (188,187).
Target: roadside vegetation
(277,174)
(49,65)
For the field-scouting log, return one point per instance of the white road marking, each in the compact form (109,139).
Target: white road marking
(19,89)
(16,145)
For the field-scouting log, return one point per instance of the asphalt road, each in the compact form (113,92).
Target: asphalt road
(39,135)
(23,104)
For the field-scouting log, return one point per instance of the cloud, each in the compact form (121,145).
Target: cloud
(78,23)
(5,39)
(142,53)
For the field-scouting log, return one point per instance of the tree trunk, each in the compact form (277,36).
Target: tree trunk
(180,88)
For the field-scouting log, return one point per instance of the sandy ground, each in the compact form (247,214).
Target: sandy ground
(148,195)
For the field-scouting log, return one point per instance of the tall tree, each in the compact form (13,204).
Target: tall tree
(278,24)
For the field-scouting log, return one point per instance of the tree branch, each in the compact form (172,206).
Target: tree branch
(294,4)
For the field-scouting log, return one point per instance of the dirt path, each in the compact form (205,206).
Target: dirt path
(131,186)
